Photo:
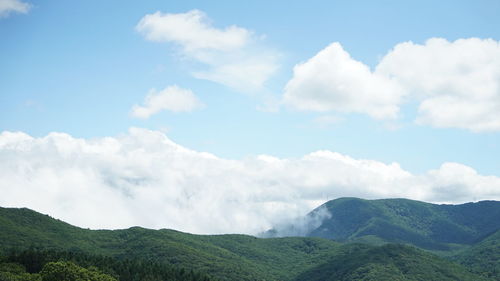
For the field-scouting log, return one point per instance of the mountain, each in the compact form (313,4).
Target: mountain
(387,262)
(230,257)
(483,257)
(425,225)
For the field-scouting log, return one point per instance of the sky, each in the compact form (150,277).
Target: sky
(229,117)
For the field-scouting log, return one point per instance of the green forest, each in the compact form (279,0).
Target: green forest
(37,264)
(383,240)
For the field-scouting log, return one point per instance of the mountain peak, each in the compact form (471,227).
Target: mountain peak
(400,220)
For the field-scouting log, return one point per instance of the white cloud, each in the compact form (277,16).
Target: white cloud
(10,6)
(333,81)
(246,74)
(143,178)
(456,84)
(172,98)
(192,31)
(232,56)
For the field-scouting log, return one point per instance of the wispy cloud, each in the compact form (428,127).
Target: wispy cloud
(13,6)
(455,84)
(172,98)
(233,56)
(143,178)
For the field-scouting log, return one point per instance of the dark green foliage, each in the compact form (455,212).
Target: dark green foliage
(429,226)
(10,271)
(227,257)
(142,254)
(68,271)
(388,262)
(22,228)
(77,265)
(484,257)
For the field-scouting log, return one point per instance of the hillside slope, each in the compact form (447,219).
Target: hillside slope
(483,257)
(226,257)
(389,262)
(425,225)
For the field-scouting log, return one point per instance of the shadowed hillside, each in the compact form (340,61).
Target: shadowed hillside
(483,257)
(388,262)
(228,257)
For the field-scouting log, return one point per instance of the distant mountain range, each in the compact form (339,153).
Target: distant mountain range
(425,225)
(347,239)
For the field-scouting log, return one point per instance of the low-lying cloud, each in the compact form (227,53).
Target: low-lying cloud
(301,226)
(143,178)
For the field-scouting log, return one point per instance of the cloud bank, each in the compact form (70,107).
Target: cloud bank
(143,178)
(172,98)
(13,6)
(455,84)
(232,56)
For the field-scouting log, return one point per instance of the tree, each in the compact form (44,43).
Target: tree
(68,271)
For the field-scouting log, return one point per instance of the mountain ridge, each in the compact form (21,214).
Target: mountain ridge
(244,257)
(430,226)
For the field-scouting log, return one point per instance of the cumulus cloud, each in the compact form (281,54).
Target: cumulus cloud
(232,56)
(333,81)
(143,178)
(172,98)
(13,6)
(455,84)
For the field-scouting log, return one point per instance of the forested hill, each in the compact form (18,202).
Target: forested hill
(230,257)
(484,256)
(429,226)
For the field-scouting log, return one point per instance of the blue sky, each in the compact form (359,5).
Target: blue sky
(80,67)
